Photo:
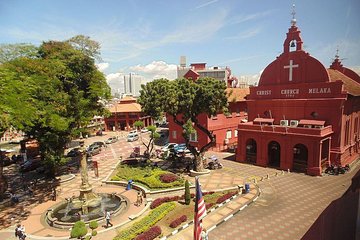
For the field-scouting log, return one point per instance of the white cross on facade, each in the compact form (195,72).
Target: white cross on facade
(290,67)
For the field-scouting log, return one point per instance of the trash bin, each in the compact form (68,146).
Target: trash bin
(128,187)
(247,187)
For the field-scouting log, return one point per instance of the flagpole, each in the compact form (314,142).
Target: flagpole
(199,211)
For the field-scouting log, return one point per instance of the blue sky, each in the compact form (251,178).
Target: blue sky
(148,37)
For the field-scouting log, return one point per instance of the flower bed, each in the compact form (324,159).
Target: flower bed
(178,221)
(168,177)
(145,223)
(148,176)
(225,197)
(150,234)
(157,202)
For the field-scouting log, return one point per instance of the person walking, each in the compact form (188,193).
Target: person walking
(53,194)
(108,217)
(204,234)
(20,231)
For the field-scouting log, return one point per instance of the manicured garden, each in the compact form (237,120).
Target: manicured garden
(151,177)
(168,214)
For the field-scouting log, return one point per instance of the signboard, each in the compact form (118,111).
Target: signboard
(296,91)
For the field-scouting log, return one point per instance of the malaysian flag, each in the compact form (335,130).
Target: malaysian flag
(200,211)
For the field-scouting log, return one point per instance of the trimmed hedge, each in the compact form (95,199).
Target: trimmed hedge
(225,197)
(209,205)
(178,221)
(150,234)
(157,202)
(145,223)
(168,177)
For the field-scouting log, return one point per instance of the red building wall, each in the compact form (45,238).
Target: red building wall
(219,124)
(298,87)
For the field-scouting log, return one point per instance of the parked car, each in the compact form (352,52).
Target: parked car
(111,140)
(73,152)
(91,151)
(132,137)
(162,134)
(168,146)
(30,165)
(181,148)
(100,144)
(144,130)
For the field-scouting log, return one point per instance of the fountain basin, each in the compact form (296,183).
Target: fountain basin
(65,214)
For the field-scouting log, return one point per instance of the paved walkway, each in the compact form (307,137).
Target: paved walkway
(288,203)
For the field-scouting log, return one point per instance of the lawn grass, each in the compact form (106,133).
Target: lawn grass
(148,176)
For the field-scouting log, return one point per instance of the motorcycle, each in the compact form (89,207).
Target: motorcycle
(135,153)
(214,163)
(336,170)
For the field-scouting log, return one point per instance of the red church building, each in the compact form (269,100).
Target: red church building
(301,116)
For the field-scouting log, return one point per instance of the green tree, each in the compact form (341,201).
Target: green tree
(138,124)
(153,135)
(184,101)
(187,193)
(86,45)
(79,230)
(16,108)
(64,89)
(9,52)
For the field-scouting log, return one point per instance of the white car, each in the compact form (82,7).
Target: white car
(144,130)
(168,146)
(132,137)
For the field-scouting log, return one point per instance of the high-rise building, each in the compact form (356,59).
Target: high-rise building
(132,84)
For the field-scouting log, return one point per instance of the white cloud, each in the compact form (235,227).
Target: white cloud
(116,82)
(244,18)
(251,79)
(241,59)
(102,66)
(245,34)
(206,4)
(155,70)
(197,31)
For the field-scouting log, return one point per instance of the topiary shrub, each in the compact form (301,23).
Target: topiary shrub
(93,225)
(168,177)
(150,234)
(187,193)
(178,221)
(94,233)
(79,230)
(157,202)
(225,197)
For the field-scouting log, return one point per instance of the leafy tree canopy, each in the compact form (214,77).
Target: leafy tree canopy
(51,95)
(9,52)
(185,100)
(87,46)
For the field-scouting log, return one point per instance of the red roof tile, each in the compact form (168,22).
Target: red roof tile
(237,94)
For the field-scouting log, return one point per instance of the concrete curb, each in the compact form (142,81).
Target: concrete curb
(213,209)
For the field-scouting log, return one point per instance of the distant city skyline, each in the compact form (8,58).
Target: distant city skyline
(148,37)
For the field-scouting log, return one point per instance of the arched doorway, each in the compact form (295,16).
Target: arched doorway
(300,158)
(251,151)
(274,154)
